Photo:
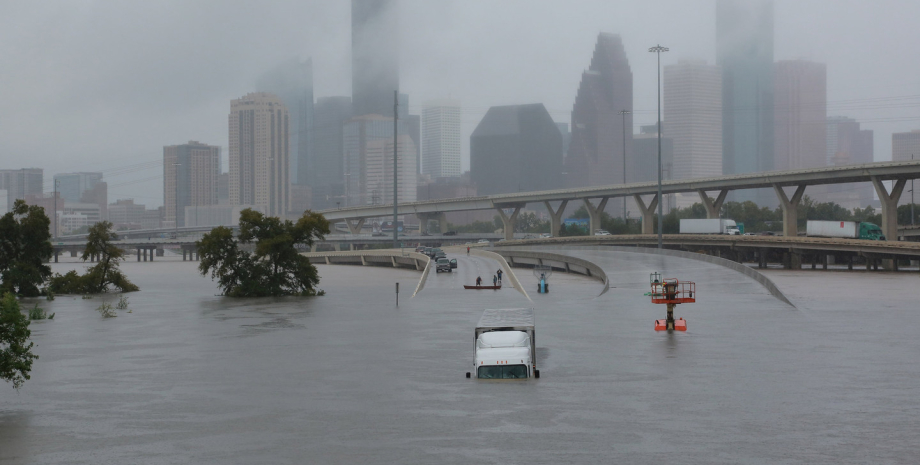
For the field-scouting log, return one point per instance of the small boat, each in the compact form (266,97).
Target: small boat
(482,287)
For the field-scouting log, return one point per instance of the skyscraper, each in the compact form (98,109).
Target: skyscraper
(441,139)
(596,149)
(368,161)
(328,166)
(905,146)
(374,56)
(693,113)
(800,114)
(259,153)
(516,148)
(20,183)
(190,178)
(73,185)
(847,144)
(744,51)
(292,82)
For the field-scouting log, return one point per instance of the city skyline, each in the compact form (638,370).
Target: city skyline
(854,86)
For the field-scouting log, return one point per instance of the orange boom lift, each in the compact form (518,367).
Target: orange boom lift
(671,292)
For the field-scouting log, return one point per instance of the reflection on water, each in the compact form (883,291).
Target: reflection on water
(191,377)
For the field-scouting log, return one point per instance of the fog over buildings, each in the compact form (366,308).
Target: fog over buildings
(102,88)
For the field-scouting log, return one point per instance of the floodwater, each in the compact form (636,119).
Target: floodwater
(190,377)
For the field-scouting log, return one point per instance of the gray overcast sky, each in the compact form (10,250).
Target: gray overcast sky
(89,85)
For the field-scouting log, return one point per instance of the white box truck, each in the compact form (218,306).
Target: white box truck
(844,229)
(505,345)
(709,226)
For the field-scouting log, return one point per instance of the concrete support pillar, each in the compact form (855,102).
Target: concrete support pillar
(56,256)
(889,206)
(712,206)
(849,262)
(648,213)
(814,261)
(145,255)
(155,252)
(73,254)
(183,253)
(355,225)
(351,246)
(824,263)
(594,214)
(790,209)
(138,254)
(508,221)
(393,261)
(425,219)
(555,217)
(314,247)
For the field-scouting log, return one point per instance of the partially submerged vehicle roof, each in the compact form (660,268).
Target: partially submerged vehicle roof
(506,318)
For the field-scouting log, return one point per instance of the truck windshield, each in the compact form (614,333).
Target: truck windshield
(503,372)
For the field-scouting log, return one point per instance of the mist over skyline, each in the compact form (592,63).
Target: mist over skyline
(98,86)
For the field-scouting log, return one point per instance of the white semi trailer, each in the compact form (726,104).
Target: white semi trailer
(709,226)
(505,346)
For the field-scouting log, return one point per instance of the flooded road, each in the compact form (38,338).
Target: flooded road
(190,377)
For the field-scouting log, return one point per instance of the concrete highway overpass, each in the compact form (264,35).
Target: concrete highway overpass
(595,198)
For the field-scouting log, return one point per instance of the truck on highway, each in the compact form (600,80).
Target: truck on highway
(709,226)
(505,345)
(844,229)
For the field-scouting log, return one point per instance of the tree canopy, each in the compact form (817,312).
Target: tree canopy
(103,274)
(275,267)
(15,348)
(25,246)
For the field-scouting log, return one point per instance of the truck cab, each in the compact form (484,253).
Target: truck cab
(505,346)
(870,231)
(503,355)
(443,264)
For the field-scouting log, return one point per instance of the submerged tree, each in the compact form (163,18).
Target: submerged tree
(15,348)
(99,277)
(275,267)
(25,246)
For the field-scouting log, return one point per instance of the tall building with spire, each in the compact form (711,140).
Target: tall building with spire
(374,56)
(259,153)
(744,51)
(596,149)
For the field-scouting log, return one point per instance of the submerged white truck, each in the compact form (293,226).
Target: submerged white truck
(505,346)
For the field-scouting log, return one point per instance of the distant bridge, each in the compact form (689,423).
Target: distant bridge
(595,198)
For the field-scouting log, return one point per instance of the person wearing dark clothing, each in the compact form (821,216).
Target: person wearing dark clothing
(499,275)
(494,280)
(479,281)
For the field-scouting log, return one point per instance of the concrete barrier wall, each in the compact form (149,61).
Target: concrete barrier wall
(745,270)
(386,257)
(570,264)
(505,266)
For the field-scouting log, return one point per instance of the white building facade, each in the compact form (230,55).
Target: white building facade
(441,139)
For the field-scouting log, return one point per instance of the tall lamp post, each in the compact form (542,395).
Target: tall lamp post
(176,194)
(658,49)
(395,180)
(624,113)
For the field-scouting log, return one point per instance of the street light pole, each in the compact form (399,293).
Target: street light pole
(395,180)
(658,49)
(176,194)
(624,113)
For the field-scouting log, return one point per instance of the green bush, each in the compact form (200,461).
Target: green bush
(106,310)
(122,303)
(38,313)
